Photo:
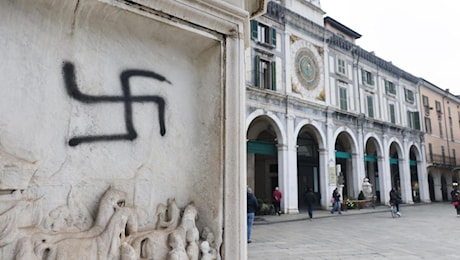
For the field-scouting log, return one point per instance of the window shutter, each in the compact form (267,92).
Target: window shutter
(392,114)
(343,98)
(273,36)
(370,106)
(273,72)
(363,76)
(254,27)
(416,120)
(257,71)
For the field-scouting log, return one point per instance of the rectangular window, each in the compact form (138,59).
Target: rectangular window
(428,125)
(265,73)
(413,120)
(370,106)
(392,114)
(458,118)
(343,98)
(438,106)
(390,88)
(263,33)
(341,66)
(425,101)
(440,130)
(409,95)
(454,156)
(430,150)
(443,153)
(367,77)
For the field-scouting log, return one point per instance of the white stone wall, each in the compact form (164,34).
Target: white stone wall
(81,100)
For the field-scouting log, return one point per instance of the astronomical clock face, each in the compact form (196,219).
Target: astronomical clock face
(306,68)
(307,76)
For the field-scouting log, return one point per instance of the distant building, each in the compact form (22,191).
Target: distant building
(440,111)
(323,112)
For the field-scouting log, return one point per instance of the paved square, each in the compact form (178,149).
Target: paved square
(429,231)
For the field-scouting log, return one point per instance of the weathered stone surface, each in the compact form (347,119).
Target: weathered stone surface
(99,94)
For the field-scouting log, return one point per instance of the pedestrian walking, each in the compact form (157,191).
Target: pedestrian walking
(311,198)
(395,199)
(277,201)
(252,206)
(336,201)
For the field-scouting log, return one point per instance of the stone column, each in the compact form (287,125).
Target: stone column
(385,174)
(287,154)
(404,175)
(424,188)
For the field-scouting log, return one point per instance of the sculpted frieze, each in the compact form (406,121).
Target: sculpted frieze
(115,233)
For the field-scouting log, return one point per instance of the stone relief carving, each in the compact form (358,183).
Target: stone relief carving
(114,234)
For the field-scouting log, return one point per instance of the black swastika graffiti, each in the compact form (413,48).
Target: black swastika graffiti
(68,70)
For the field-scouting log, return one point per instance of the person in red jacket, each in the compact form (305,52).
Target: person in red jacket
(277,200)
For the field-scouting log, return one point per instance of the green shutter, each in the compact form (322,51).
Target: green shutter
(363,76)
(273,36)
(257,71)
(343,98)
(370,106)
(416,120)
(392,114)
(430,151)
(254,27)
(273,74)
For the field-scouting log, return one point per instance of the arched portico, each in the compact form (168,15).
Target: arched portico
(373,159)
(310,164)
(346,160)
(262,156)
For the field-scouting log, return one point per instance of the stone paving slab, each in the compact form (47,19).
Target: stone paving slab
(269,219)
(425,231)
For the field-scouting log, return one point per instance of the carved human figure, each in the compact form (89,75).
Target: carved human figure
(206,251)
(177,243)
(208,236)
(192,238)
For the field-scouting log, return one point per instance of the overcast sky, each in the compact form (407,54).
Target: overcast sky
(419,36)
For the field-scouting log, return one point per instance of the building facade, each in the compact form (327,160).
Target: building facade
(322,113)
(440,111)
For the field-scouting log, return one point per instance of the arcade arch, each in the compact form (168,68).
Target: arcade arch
(373,161)
(262,156)
(346,163)
(309,143)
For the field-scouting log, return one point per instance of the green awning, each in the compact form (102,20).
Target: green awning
(258,147)
(344,155)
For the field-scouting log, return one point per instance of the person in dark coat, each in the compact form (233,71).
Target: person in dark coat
(310,197)
(251,211)
(336,204)
(395,199)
